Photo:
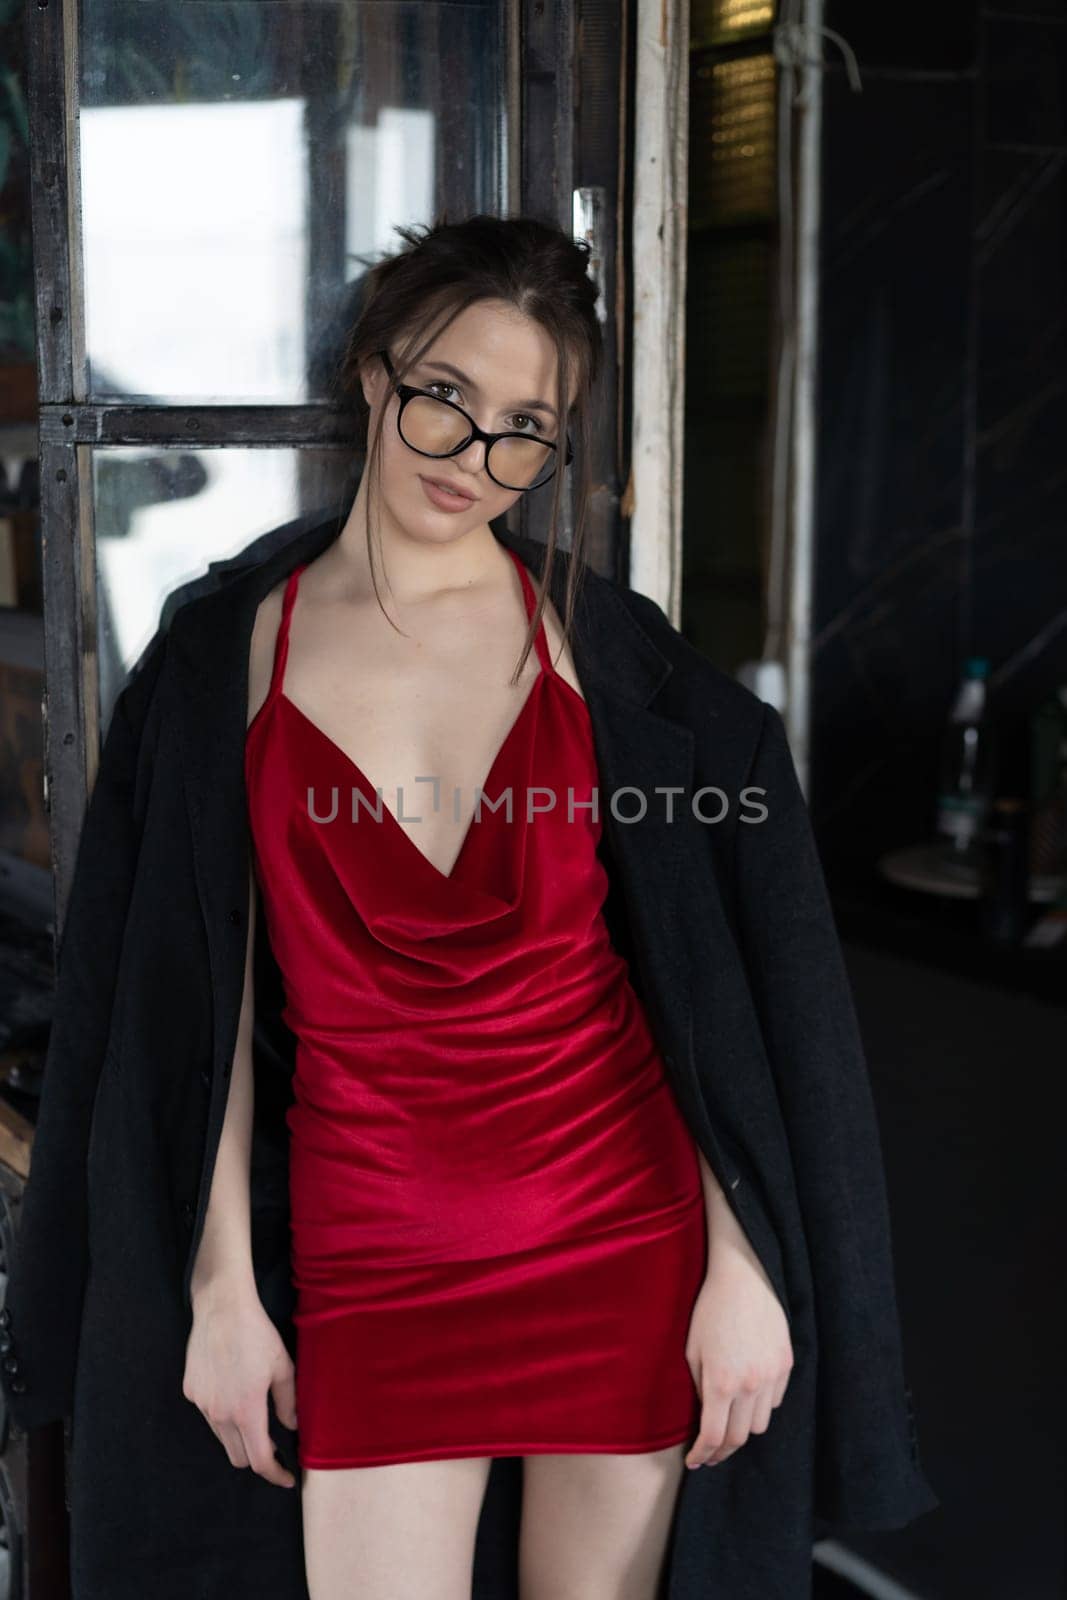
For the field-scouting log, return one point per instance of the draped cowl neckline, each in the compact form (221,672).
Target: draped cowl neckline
(488,873)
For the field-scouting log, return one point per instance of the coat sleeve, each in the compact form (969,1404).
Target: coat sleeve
(867,1468)
(47,1273)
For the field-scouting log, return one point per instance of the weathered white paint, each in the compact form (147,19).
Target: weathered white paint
(661,168)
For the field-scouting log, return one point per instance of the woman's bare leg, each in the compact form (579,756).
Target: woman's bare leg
(386,1533)
(595,1527)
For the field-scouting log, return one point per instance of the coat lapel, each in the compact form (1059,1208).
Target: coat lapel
(638,751)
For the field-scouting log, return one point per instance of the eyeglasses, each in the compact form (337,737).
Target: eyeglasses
(440,429)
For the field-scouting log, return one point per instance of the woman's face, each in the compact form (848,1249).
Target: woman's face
(497,364)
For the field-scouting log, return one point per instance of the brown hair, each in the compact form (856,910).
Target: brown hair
(532,265)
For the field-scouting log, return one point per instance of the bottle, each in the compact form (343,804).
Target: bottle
(966,763)
(1005,877)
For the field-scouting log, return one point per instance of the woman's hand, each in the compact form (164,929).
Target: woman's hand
(235,1358)
(738,1346)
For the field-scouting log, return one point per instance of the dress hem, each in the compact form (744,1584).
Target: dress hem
(446,1452)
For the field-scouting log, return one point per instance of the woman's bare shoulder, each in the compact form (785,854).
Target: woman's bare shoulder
(262,646)
(562,659)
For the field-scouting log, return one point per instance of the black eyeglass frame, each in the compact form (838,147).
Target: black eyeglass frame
(407,391)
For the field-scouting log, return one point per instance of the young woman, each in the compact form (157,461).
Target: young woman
(516,1029)
(489,1172)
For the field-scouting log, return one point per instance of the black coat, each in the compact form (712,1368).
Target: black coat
(733,949)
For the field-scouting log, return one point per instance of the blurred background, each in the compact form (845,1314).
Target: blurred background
(830,440)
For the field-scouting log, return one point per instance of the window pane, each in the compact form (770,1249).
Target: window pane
(236,160)
(163,515)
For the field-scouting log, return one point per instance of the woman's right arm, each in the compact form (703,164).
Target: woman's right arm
(235,1355)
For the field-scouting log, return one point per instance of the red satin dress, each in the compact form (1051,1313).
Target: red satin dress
(497,1219)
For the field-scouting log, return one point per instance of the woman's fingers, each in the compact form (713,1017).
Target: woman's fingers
(737,1428)
(714,1415)
(248,1443)
(727,1421)
(259,1447)
(283,1389)
(229,1436)
(762,1408)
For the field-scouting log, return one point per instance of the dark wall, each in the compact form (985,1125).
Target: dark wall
(942,447)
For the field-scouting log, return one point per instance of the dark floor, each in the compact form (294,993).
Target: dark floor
(967,1081)
(828,1586)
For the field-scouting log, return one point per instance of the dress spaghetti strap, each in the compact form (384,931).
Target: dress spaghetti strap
(281,643)
(530,598)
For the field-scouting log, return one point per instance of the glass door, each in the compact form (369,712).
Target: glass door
(238,167)
(211,182)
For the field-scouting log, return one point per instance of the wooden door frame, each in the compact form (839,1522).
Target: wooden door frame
(661,179)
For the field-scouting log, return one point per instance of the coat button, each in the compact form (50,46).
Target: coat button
(5,1318)
(17,1386)
(11,1364)
(234,916)
(205,1075)
(734,1182)
(6,1341)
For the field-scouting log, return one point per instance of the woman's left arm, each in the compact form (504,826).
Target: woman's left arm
(738,1348)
